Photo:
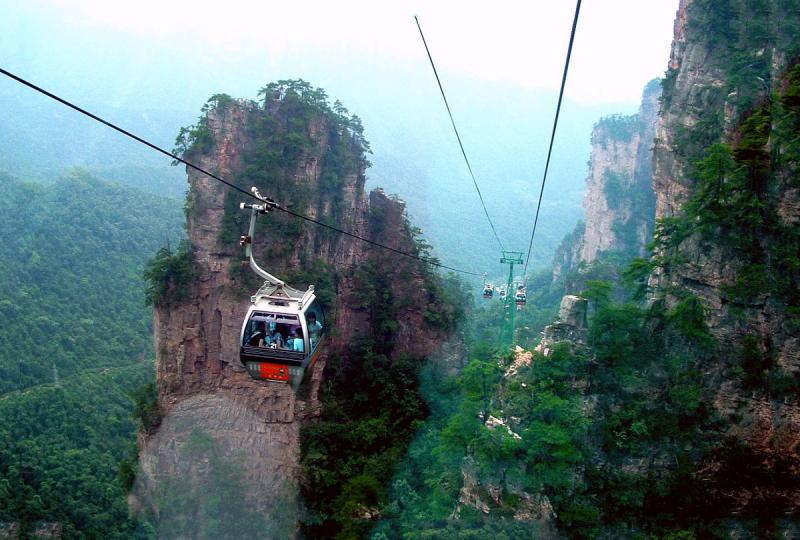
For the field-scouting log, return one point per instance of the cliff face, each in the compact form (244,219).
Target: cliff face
(567,258)
(726,190)
(692,399)
(618,190)
(310,159)
(619,200)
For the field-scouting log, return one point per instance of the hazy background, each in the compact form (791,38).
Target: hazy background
(150,66)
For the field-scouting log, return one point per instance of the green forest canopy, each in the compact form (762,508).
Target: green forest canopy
(75,342)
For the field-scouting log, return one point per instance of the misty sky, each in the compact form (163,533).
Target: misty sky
(620,44)
(151,64)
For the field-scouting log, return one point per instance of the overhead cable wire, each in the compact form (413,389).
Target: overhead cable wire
(458,137)
(376,244)
(229,184)
(553,134)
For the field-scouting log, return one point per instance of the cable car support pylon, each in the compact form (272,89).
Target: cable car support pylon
(507,330)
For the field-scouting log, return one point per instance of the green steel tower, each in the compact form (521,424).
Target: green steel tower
(507,331)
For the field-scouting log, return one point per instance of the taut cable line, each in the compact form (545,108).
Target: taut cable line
(553,134)
(458,137)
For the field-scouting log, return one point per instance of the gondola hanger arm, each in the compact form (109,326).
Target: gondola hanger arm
(247,241)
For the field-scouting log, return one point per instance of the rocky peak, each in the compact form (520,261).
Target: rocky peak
(311,159)
(570,327)
(619,197)
(618,191)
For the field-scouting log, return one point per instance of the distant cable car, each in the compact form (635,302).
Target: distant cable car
(282,332)
(520,297)
(488,290)
(501,291)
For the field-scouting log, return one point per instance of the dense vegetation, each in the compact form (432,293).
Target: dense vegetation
(372,403)
(623,436)
(168,274)
(71,286)
(377,402)
(736,209)
(615,127)
(75,337)
(620,436)
(68,454)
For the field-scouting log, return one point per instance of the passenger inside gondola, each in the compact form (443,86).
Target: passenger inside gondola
(297,341)
(275,337)
(259,337)
(314,329)
(281,331)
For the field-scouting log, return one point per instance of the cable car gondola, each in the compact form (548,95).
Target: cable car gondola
(520,297)
(501,291)
(282,332)
(488,290)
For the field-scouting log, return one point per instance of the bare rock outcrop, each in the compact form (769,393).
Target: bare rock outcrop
(570,327)
(487,495)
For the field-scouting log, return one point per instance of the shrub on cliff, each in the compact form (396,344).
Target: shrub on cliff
(168,274)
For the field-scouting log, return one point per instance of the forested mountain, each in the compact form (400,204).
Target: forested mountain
(67,454)
(72,254)
(75,342)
